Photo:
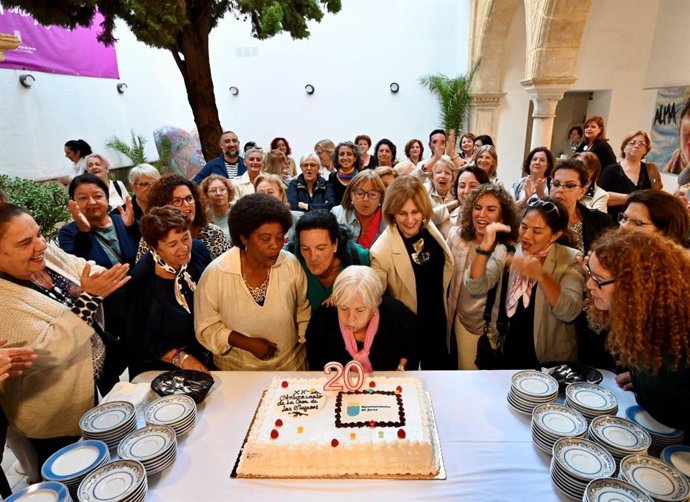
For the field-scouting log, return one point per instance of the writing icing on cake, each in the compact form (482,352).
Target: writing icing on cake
(300,430)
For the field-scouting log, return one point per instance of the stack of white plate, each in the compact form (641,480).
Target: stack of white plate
(662,435)
(614,490)
(177,411)
(591,400)
(118,481)
(155,446)
(657,479)
(109,422)
(551,422)
(679,457)
(71,464)
(619,436)
(529,389)
(49,491)
(578,461)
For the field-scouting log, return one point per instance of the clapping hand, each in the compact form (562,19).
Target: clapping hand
(527,266)
(14,360)
(82,223)
(105,282)
(127,212)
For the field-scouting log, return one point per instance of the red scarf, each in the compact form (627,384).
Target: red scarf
(368,234)
(361,356)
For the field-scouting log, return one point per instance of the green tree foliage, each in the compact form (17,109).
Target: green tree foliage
(47,202)
(135,151)
(182,27)
(453,95)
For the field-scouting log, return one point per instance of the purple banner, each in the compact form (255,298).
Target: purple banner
(54,49)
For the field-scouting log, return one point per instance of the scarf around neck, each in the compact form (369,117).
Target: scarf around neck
(361,356)
(179,277)
(522,286)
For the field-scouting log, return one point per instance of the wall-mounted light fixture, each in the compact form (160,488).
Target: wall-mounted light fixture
(234,90)
(121,88)
(310,89)
(395,87)
(27,80)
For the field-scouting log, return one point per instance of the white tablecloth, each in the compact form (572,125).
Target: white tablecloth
(487,447)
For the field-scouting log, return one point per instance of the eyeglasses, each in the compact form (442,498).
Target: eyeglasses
(371,194)
(600,284)
(218,190)
(567,187)
(624,218)
(178,201)
(637,143)
(545,205)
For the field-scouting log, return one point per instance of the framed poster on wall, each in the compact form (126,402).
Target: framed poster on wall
(666,151)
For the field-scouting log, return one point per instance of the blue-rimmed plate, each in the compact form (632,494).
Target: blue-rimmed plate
(74,460)
(49,491)
(641,417)
(679,457)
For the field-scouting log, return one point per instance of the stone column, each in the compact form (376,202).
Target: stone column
(484,113)
(545,96)
(7,43)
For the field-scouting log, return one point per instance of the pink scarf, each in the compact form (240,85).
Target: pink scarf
(522,286)
(361,356)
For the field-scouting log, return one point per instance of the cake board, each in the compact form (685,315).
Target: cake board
(435,442)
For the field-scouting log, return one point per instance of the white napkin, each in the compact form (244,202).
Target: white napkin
(139,394)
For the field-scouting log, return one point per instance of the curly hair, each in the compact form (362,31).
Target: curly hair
(160,194)
(275,141)
(206,185)
(650,314)
(508,214)
(159,222)
(389,144)
(355,149)
(254,210)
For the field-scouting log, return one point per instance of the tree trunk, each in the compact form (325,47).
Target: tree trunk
(192,58)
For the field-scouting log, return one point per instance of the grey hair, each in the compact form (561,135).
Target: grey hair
(358,279)
(254,149)
(142,170)
(310,155)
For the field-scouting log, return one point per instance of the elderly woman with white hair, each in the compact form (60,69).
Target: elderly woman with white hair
(141,178)
(99,166)
(310,190)
(363,325)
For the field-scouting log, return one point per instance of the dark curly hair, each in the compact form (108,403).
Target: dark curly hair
(555,219)
(160,194)
(274,144)
(508,214)
(531,154)
(252,211)
(355,150)
(650,313)
(157,223)
(390,144)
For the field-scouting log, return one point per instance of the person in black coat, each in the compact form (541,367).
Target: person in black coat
(595,141)
(160,324)
(106,239)
(363,325)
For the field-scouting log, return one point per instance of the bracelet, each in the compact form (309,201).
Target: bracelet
(483,252)
(401,367)
(179,358)
(456,156)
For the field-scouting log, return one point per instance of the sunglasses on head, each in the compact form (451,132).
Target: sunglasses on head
(545,205)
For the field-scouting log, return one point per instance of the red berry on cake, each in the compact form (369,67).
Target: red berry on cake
(372,423)
(398,389)
(401,433)
(334,443)
(284,384)
(274,434)
(279,423)
(372,384)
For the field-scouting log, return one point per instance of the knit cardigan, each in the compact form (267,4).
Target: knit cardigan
(52,395)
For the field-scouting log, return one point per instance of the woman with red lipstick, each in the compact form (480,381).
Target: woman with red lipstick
(595,141)
(480,246)
(415,266)
(160,327)
(545,290)
(51,302)
(251,308)
(639,285)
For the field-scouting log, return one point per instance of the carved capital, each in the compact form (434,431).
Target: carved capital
(545,94)
(486,99)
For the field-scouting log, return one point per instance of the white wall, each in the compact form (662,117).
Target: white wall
(351,58)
